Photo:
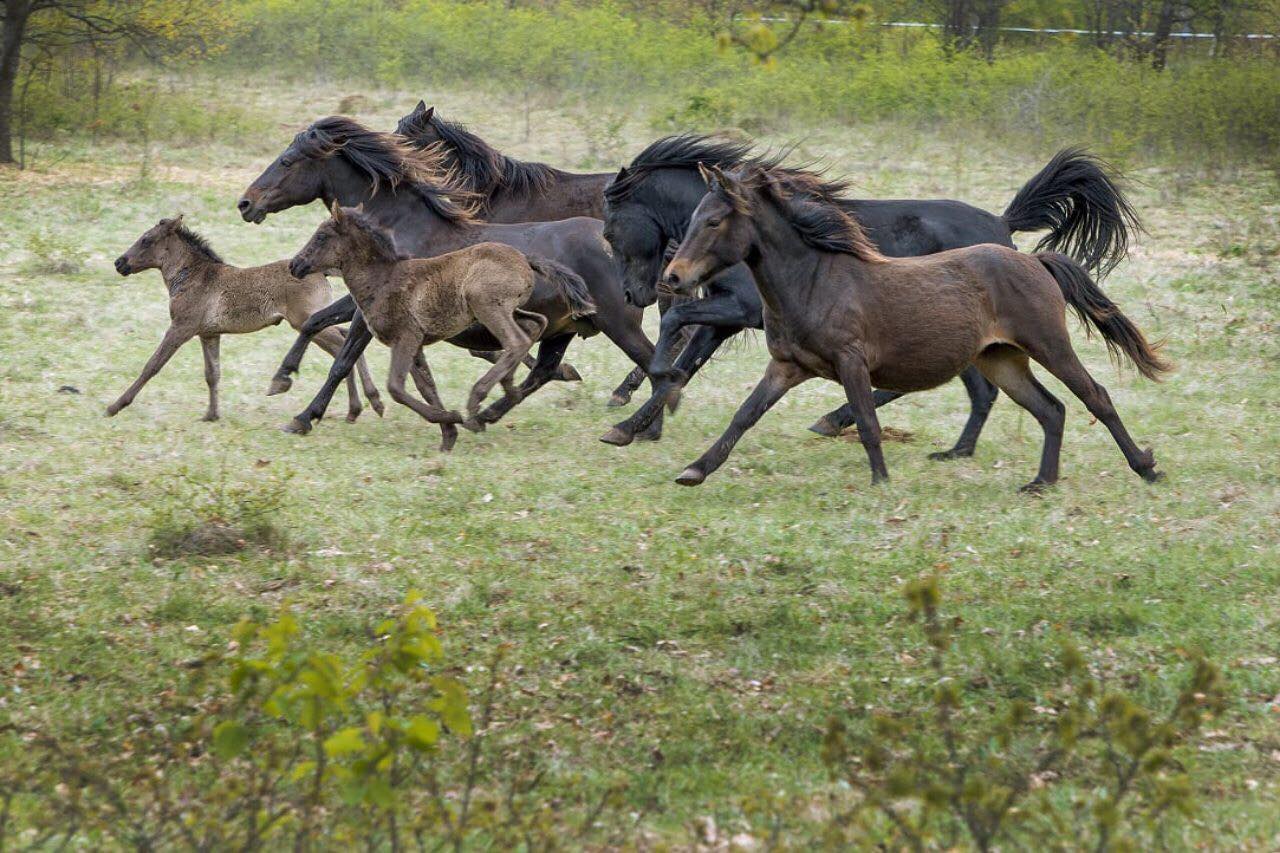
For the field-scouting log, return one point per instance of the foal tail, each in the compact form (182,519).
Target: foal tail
(569,283)
(1077,197)
(1093,307)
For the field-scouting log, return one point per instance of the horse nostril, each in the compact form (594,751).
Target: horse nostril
(673,278)
(242,205)
(626,297)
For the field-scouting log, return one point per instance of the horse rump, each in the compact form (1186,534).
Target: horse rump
(569,283)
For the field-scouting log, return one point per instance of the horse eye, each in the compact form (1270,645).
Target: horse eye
(714,223)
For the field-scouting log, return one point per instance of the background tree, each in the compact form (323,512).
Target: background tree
(46,32)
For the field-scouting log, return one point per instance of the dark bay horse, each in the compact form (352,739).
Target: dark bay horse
(427,214)
(511,190)
(835,307)
(650,201)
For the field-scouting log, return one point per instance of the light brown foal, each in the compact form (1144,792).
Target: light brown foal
(209,298)
(410,303)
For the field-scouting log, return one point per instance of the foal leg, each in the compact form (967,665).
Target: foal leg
(426,384)
(169,344)
(515,346)
(856,379)
(1060,359)
(212,373)
(550,352)
(402,358)
(779,378)
(358,337)
(1007,367)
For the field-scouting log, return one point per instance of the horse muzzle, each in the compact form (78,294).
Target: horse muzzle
(299,268)
(250,211)
(123,266)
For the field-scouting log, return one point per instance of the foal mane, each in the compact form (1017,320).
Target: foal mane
(688,150)
(487,170)
(804,202)
(376,234)
(197,244)
(390,161)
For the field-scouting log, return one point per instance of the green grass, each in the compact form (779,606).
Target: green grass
(692,642)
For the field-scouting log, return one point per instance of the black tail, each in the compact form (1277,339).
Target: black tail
(570,284)
(1094,308)
(1077,198)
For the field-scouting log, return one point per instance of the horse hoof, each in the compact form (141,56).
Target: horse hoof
(473,424)
(279,385)
(1035,487)
(649,435)
(210,418)
(617,399)
(1151,475)
(375,403)
(297,426)
(691,477)
(948,455)
(567,373)
(673,400)
(353,415)
(824,427)
(618,437)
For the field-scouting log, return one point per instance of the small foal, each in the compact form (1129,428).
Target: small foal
(209,298)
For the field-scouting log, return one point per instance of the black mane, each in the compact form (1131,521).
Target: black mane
(389,162)
(486,170)
(687,150)
(198,244)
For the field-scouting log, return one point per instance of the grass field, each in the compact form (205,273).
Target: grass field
(691,642)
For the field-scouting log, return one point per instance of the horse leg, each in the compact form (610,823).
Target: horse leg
(339,312)
(838,420)
(403,354)
(779,378)
(426,384)
(630,338)
(982,395)
(212,373)
(622,394)
(856,379)
(550,352)
(358,337)
(1060,359)
(713,320)
(169,344)
(1008,368)
(330,340)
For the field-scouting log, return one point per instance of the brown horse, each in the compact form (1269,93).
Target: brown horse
(835,307)
(209,298)
(410,303)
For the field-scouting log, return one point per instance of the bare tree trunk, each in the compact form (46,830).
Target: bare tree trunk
(1160,37)
(16,13)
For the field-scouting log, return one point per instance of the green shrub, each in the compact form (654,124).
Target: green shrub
(1092,767)
(200,515)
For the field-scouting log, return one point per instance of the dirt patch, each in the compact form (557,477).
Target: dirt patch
(887,434)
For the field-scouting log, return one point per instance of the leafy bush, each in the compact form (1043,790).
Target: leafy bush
(277,743)
(52,254)
(1095,766)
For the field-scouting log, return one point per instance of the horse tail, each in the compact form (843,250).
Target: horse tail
(1078,198)
(1094,308)
(569,283)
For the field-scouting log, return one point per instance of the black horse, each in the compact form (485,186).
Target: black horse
(649,203)
(404,190)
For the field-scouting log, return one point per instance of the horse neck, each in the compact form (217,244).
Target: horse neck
(414,227)
(786,269)
(672,195)
(181,263)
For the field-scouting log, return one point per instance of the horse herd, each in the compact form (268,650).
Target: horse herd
(439,237)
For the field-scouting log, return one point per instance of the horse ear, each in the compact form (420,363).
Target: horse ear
(430,111)
(709,176)
(360,207)
(336,210)
(622,173)
(176,221)
(421,107)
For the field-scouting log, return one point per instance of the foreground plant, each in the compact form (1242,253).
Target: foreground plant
(1098,770)
(276,743)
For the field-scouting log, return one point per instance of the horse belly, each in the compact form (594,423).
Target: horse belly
(925,359)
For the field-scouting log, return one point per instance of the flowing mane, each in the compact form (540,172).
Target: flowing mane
(198,244)
(378,236)
(687,150)
(486,170)
(389,161)
(818,218)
